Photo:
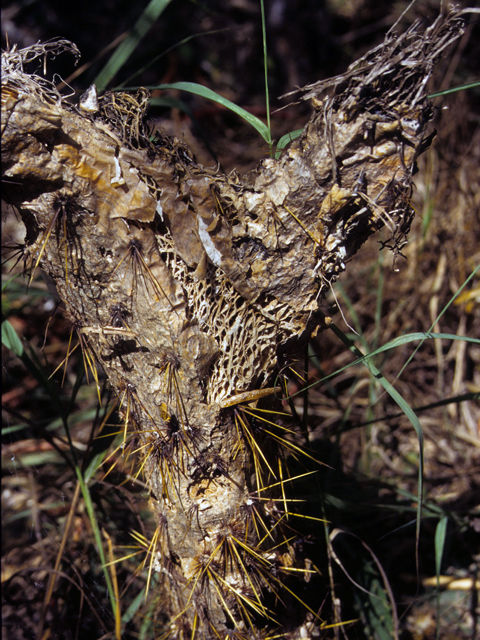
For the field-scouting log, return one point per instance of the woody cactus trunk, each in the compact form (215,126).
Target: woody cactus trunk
(193,289)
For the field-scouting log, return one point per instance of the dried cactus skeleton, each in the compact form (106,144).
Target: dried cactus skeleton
(191,289)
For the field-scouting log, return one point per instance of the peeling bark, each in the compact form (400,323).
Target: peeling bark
(191,289)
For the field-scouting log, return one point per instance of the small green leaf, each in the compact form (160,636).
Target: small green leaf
(125,49)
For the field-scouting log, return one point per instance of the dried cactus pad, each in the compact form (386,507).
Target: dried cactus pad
(190,289)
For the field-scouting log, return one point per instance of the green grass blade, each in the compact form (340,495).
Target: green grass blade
(440,535)
(125,49)
(443,311)
(265,66)
(463,397)
(14,428)
(11,340)
(171,103)
(420,335)
(407,410)
(462,87)
(167,51)
(98,538)
(397,342)
(95,462)
(357,328)
(33,365)
(379,299)
(7,284)
(34,460)
(205,92)
(134,607)
(286,139)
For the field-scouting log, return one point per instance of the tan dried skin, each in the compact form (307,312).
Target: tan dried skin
(188,287)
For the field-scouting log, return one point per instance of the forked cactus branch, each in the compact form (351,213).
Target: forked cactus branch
(191,288)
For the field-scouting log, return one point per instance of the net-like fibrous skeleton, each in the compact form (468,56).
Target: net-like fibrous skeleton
(193,289)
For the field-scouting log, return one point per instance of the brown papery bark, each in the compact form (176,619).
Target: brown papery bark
(192,289)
